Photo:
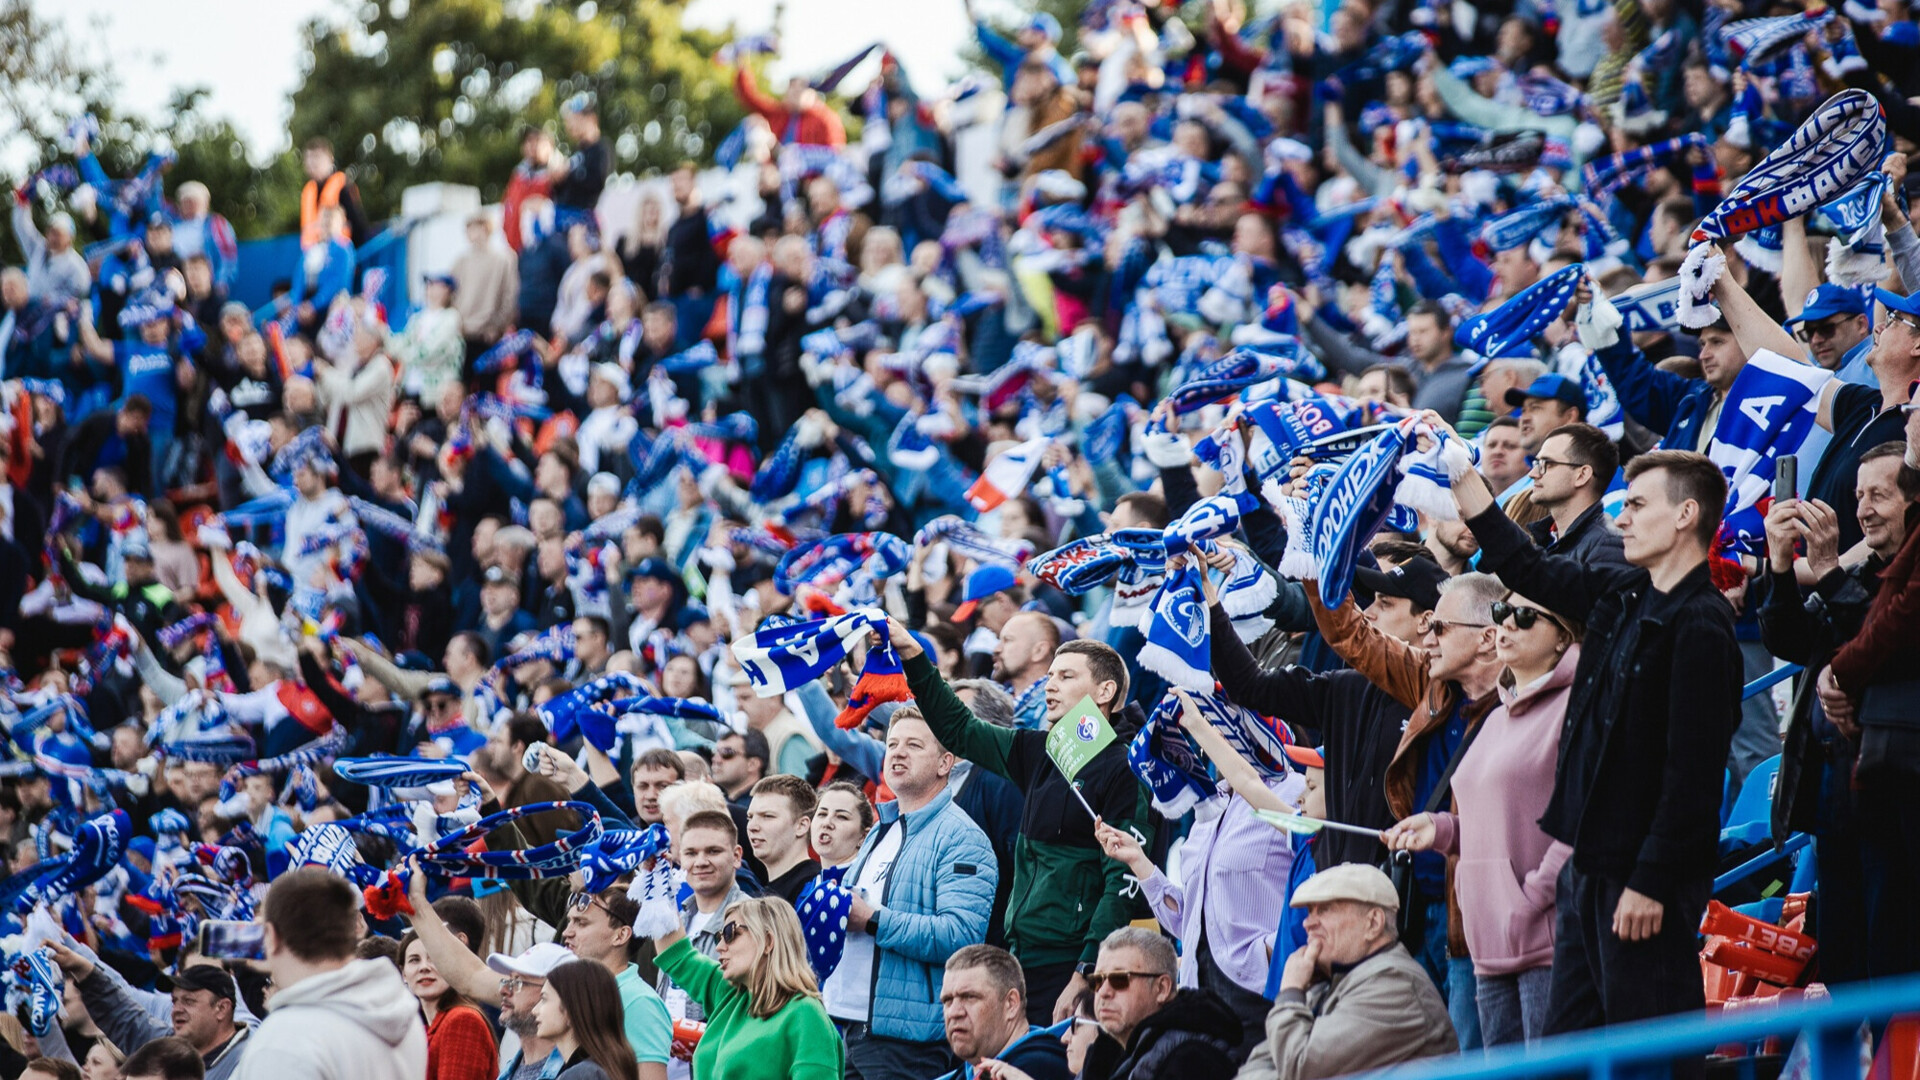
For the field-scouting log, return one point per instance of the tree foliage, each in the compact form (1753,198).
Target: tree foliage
(411,91)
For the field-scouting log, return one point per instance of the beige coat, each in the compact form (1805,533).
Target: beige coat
(365,395)
(1383,1012)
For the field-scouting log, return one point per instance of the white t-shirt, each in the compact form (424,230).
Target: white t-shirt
(848,993)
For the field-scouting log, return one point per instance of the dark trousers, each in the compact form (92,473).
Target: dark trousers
(1599,979)
(1250,1007)
(874,1057)
(1888,821)
(1044,985)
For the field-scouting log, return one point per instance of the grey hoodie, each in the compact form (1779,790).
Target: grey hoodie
(356,1023)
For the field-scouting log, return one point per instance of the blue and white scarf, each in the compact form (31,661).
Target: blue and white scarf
(1165,759)
(619,852)
(1523,225)
(1223,378)
(1178,647)
(567,714)
(384,771)
(1756,41)
(749,336)
(1214,516)
(784,658)
(98,845)
(1771,409)
(1841,142)
(965,539)
(1353,507)
(1509,330)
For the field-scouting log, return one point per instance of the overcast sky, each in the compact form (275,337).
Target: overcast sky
(246,51)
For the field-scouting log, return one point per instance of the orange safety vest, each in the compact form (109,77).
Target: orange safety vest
(313,199)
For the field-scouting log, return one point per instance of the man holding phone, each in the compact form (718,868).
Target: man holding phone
(204,999)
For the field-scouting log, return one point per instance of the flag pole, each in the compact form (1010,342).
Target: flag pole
(1075,786)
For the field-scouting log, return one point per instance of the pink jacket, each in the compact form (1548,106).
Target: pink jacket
(1504,883)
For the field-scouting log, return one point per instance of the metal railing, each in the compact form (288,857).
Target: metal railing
(1831,1027)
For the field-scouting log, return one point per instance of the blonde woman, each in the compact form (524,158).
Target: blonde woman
(764,1016)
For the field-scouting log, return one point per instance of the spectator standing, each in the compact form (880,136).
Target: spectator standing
(204,1000)
(779,821)
(579,1011)
(329,188)
(487,287)
(802,116)
(460,1045)
(580,177)
(1570,474)
(333,1017)
(56,274)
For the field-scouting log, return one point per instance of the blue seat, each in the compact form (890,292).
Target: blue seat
(1749,821)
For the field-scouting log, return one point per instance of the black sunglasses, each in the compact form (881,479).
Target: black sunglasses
(1119,980)
(732,931)
(1522,617)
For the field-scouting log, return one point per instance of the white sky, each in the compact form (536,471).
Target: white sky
(246,51)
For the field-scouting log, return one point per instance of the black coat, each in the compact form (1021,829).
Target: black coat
(1358,724)
(1806,630)
(1191,1036)
(81,454)
(1590,539)
(1654,705)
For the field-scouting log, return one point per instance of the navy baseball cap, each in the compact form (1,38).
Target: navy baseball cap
(1551,387)
(981,584)
(1417,581)
(1830,299)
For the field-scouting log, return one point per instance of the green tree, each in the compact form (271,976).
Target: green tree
(411,91)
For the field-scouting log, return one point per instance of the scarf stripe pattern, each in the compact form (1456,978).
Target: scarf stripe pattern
(1771,410)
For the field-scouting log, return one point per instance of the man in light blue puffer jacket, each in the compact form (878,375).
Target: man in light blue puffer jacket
(923,888)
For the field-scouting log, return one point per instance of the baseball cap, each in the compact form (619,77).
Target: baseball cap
(1308,757)
(1349,881)
(444,279)
(1416,580)
(1830,299)
(981,584)
(537,962)
(214,980)
(655,568)
(440,684)
(1552,387)
(1905,305)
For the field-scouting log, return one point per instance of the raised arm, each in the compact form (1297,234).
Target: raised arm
(460,966)
(958,730)
(1752,327)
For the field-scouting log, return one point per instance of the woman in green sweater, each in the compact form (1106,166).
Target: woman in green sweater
(764,1017)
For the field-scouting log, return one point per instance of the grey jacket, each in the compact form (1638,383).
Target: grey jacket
(1384,1011)
(125,1021)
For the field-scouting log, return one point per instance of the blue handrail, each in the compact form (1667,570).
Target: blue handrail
(1830,1025)
(1767,681)
(389,234)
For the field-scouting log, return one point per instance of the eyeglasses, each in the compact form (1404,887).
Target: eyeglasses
(1439,627)
(1119,980)
(726,753)
(1912,327)
(581,901)
(515,984)
(733,930)
(1542,464)
(1522,617)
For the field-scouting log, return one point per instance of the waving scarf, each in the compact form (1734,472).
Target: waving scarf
(966,540)
(782,658)
(1232,373)
(1518,227)
(1165,759)
(1509,329)
(448,856)
(1177,645)
(1352,508)
(619,852)
(1770,410)
(98,845)
(1756,41)
(397,772)
(1843,140)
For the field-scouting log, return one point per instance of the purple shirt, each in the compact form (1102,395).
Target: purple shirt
(1232,866)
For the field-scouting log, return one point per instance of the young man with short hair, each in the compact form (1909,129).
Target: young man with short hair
(654,771)
(600,929)
(740,760)
(708,852)
(333,1017)
(1066,895)
(171,1058)
(1571,473)
(779,821)
(1655,703)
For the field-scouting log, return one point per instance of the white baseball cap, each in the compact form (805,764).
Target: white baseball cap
(537,962)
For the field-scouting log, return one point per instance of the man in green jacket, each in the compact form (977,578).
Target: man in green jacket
(1066,896)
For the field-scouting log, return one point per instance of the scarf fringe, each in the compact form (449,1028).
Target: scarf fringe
(1853,268)
(1703,266)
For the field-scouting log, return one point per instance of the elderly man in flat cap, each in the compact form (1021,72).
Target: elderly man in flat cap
(1352,998)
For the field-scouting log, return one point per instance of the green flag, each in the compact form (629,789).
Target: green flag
(1078,737)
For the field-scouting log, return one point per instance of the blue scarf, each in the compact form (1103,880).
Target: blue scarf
(619,852)
(1221,379)
(1177,647)
(1518,227)
(570,712)
(1841,142)
(1509,329)
(1756,41)
(779,474)
(1352,509)
(783,658)
(98,845)
(822,908)
(1165,759)
(750,324)
(384,771)
(1214,516)
(966,540)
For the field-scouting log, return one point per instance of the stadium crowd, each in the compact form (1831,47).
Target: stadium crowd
(1235,549)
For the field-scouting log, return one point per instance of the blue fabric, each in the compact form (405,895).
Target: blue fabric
(1669,405)
(938,898)
(1429,867)
(1291,934)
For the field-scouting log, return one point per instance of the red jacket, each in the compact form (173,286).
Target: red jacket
(818,126)
(1893,620)
(460,1046)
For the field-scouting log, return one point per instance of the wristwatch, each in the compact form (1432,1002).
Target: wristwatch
(873,924)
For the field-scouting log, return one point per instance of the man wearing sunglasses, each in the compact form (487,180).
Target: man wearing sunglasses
(1150,1028)
(1350,999)
(1832,324)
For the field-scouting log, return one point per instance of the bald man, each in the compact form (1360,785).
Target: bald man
(1020,662)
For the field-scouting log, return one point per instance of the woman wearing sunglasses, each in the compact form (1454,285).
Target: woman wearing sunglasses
(1505,880)
(460,1043)
(579,1012)
(764,1016)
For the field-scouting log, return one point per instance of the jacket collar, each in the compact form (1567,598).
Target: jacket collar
(890,811)
(1520,699)
(1659,606)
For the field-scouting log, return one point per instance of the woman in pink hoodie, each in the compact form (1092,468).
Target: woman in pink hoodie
(1504,882)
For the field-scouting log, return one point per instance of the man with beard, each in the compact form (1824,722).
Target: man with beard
(521,980)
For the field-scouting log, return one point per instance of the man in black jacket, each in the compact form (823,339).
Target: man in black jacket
(1570,475)
(112,437)
(1654,706)
(1149,1027)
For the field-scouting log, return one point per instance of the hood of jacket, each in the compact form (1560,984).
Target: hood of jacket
(1196,1012)
(1521,699)
(367,994)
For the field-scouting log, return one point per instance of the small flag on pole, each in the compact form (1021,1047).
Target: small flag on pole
(1008,474)
(1306,826)
(1078,737)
